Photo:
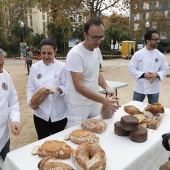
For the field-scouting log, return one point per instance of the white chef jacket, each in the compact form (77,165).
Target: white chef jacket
(144,61)
(81,60)
(42,75)
(9,106)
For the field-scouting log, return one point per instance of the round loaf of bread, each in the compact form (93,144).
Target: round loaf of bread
(119,131)
(139,135)
(94,125)
(39,96)
(49,163)
(89,156)
(80,136)
(55,148)
(129,123)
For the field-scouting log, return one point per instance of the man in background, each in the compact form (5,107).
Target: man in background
(28,58)
(148,66)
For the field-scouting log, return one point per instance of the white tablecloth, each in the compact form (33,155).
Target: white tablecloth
(121,152)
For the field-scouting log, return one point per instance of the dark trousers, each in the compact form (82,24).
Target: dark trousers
(29,64)
(45,129)
(5,150)
(152,98)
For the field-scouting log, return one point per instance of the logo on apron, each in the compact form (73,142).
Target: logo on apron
(39,76)
(156,60)
(4,86)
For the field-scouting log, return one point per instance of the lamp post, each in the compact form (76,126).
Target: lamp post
(22,28)
(147,25)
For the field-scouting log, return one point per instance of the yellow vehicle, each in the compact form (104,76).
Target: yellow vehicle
(128,49)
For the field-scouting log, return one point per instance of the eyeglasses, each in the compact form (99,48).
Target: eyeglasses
(96,38)
(156,39)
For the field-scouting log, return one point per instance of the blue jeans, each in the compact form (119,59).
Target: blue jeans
(152,98)
(5,150)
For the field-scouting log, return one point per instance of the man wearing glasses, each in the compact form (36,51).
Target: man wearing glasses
(148,66)
(83,76)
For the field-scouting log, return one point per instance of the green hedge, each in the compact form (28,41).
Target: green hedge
(115,52)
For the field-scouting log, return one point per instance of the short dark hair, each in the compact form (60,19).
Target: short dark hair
(47,41)
(148,34)
(92,21)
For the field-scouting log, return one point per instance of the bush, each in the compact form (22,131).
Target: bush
(113,52)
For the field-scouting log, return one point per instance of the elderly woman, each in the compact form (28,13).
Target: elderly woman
(9,108)
(50,116)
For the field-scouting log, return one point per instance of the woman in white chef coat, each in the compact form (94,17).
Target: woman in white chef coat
(9,108)
(51,116)
(148,66)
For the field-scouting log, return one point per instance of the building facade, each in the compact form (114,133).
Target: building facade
(37,20)
(157,13)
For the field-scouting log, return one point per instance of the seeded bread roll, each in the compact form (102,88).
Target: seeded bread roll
(94,125)
(39,96)
(49,163)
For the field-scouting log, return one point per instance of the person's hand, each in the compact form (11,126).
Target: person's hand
(112,103)
(55,90)
(50,91)
(15,128)
(151,76)
(110,92)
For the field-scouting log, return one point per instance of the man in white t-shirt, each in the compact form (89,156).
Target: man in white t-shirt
(83,77)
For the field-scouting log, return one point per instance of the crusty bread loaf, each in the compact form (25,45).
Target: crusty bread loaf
(39,96)
(94,125)
(49,163)
(80,136)
(155,108)
(55,148)
(106,112)
(132,110)
(89,156)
